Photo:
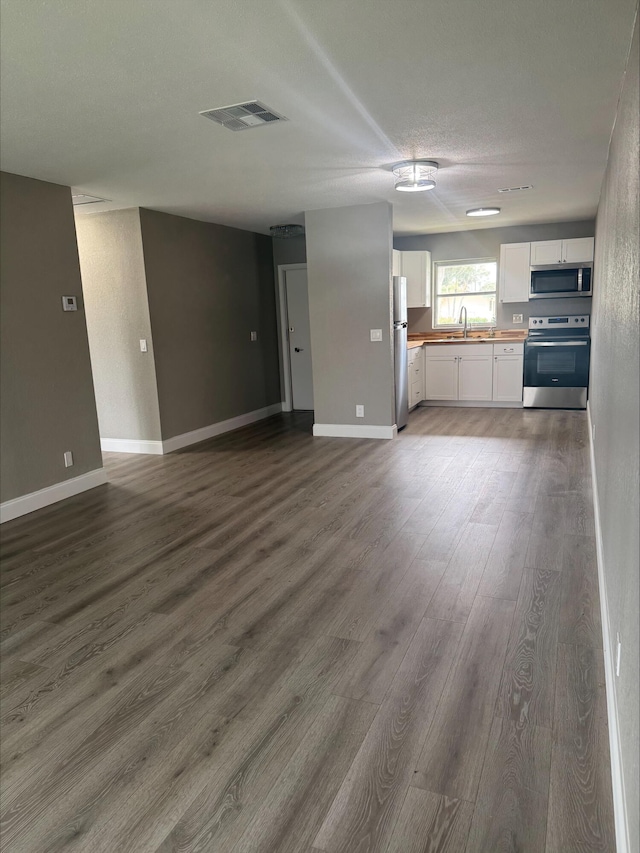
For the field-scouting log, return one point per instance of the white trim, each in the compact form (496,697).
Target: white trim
(472,404)
(615,745)
(287,404)
(51,494)
(355,431)
(195,436)
(130,445)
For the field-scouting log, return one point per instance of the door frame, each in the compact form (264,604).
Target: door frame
(283,334)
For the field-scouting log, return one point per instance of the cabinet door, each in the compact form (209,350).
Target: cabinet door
(416,267)
(546,252)
(475,380)
(577,251)
(515,273)
(441,377)
(507,378)
(396,263)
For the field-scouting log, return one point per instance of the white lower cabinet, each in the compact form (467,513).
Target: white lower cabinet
(475,377)
(441,376)
(474,372)
(508,372)
(415,367)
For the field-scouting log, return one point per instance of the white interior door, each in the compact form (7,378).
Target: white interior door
(299,334)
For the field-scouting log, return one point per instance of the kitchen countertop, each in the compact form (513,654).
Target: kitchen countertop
(502,336)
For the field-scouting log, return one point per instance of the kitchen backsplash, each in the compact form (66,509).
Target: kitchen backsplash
(420,318)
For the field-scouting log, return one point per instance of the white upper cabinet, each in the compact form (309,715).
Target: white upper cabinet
(396,262)
(576,251)
(514,272)
(546,252)
(416,267)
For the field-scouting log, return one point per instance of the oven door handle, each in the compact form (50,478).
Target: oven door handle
(557,343)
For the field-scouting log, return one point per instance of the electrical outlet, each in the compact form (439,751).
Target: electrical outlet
(143,345)
(359,411)
(68,459)
(376,334)
(254,336)
(618,654)
(517,318)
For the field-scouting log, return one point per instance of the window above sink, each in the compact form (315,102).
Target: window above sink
(465,284)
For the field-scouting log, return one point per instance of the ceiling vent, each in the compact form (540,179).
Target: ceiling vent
(243,116)
(515,189)
(80,198)
(286,230)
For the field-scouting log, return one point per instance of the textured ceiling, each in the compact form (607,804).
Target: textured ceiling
(104,97)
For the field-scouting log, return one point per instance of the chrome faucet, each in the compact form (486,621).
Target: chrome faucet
(464,308)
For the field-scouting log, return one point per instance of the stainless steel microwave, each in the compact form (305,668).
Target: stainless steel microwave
(553,281)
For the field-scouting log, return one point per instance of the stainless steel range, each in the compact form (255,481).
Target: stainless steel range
(556,362)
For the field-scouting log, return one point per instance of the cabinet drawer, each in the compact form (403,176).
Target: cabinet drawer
(415,394)
(414,354)
(458,349)
(508,349)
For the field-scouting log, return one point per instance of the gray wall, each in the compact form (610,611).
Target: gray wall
(349,271)
(208,287)
(614,403)
(48,405)
(115,293)
(485,243)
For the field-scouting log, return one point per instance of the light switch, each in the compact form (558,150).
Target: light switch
(254,336)
(69,303)
(376,334)
(143,345)
(68,459)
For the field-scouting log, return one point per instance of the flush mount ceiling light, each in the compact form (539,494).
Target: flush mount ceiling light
(483,211)
(81,198)
(415,176)
(286,230)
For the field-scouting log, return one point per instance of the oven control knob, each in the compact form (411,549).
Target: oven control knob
(576,320)
(582,320)
(534,322)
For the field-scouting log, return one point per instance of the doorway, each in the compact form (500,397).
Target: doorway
(295,331)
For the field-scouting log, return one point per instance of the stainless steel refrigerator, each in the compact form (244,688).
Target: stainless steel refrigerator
(400,349)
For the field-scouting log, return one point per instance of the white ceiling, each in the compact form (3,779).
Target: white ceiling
(104,95)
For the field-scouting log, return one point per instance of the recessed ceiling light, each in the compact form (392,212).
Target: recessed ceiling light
(415,176)
(483,211)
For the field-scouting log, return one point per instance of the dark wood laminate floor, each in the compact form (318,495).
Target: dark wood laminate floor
(270,642)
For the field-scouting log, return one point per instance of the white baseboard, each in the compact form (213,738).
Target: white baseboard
(355,431)
(473,404)
(195,436)
(176,442)
(130,445)
(615,746)
(51,494)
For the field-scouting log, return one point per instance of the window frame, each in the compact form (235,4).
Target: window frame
(435,296)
